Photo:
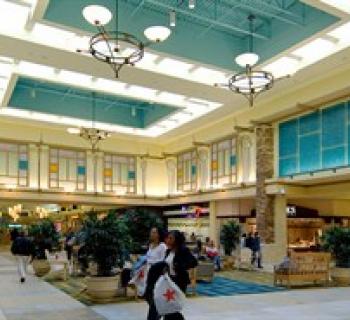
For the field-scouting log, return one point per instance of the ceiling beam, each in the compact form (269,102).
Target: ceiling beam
(270,14)
(219,19)
(207,20)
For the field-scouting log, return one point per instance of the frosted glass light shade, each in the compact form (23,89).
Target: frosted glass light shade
(157,33)
(248,58)
(97,15)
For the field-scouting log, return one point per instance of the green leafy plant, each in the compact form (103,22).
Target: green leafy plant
(140,221)
(106,241)
(45,237)
(230,236)
(337,241)
(45,229)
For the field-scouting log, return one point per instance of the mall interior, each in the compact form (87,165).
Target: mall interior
(201,112)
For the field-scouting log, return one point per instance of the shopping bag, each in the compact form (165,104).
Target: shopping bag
(139,280)
(168,297)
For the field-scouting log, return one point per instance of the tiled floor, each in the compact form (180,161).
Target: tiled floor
(38,300)
(319,304)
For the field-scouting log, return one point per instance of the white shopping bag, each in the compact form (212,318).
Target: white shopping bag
(139,280)
(168,297)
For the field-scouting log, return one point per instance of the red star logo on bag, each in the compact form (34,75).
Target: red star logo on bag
(141,274)
(169,295)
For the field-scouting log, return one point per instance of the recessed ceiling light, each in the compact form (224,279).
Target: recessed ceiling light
(73,130)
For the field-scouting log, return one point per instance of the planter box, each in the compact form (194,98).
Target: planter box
(341,276)
(102,288)
(41,267)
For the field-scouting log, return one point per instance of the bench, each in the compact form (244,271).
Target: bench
(306,267)
(204,271)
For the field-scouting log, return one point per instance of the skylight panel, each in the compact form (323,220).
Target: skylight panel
(343,5)
(208,76)
(282,67)
(142,92)
(13,16)
(174,67)
(342,33)
(315,50)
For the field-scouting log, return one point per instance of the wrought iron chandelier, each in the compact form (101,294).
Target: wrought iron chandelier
(117,48)
(250,83)
(91,134)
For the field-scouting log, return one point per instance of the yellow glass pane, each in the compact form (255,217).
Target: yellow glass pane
(53,168)
(108,172)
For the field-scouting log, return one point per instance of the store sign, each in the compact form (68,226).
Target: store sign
(291,211)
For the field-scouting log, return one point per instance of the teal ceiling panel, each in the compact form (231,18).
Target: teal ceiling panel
(51,98)
(214,32)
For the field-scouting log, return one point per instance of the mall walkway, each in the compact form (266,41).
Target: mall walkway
(37,300)
(320,304)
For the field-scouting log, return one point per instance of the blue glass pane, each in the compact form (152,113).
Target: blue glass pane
(81,170)
(349,143)
(333,125)
(309,150)
(334,157)
(131,175)
(288,166)
(233,160)
(193,170)
(309,123)
(23,165)
(288,138)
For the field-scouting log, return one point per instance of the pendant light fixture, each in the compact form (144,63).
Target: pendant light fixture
(91,134)
(250,82)
(117,48)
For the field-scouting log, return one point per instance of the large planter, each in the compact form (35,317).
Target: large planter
(341,276)
(228,262)
(41,267)
(102,288)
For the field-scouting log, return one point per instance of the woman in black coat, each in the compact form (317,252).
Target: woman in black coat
(178,261)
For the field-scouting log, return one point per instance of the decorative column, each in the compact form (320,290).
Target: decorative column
(203,157)
(143,165)
(264,170)
(90,171)
(281,227)
(43,167)
(33,171)
(213,231)
(245,154)
(98,159)
(171,172)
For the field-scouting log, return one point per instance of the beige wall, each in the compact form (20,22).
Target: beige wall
(325,207)
(234,207)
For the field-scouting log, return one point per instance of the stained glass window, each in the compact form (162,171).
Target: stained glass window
(187,171)
(119,173)
(67,169)
(223,162)
(14,167)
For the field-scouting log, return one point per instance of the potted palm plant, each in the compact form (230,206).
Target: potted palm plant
(45,237)
(337,242)
(140,221)
(229,238)
(106,240)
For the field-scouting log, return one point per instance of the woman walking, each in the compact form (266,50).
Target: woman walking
(156,253)
(178,260)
